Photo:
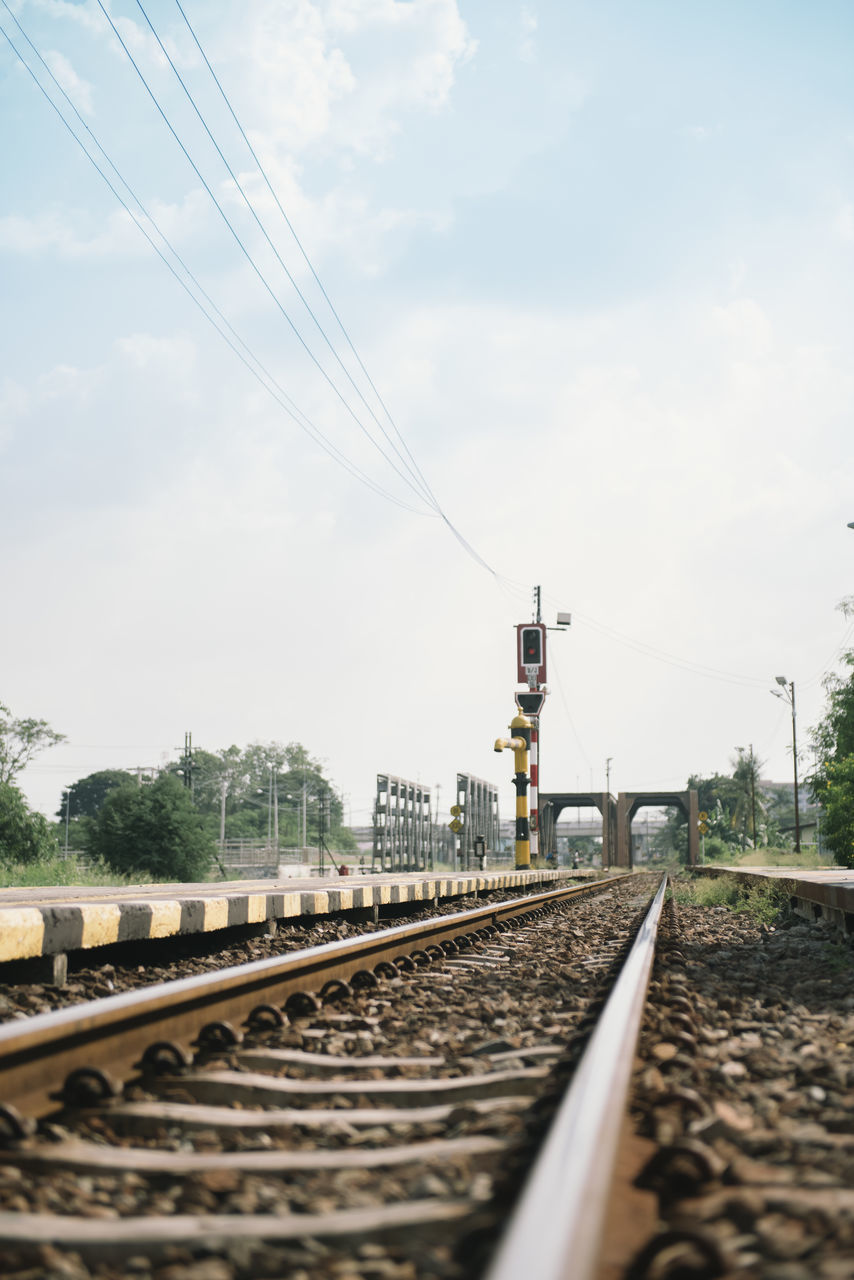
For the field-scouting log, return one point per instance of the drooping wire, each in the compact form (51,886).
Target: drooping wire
(249,360)
(556,671)
(824,671)
(670,659)
(251,208)
(250,259)
(301,248)
(424,486)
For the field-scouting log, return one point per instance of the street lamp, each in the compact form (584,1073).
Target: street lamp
(788,695)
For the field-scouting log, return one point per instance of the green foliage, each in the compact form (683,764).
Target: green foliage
(55,871)
(20,741)
(25,837)
(764,900)
(832,783)
(152,829)
(241,793)
(84,798)
(834,788)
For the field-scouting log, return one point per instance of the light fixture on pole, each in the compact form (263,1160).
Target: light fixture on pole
(788,686)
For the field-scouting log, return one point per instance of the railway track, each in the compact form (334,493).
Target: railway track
(368,1107)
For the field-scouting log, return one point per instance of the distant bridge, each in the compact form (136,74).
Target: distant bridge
(617,817)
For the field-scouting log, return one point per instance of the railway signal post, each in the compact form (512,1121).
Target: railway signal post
(531,660)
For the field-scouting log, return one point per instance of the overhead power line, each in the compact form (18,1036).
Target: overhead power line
(302,250)
(252,363)
(250,259)
(420,484)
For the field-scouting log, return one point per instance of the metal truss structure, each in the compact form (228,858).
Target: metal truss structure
(403,826)
(478,818)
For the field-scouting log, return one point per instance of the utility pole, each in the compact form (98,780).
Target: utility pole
(187,762)
(788,694)
(753,793)
(606,852)
(795,762)
(304,808)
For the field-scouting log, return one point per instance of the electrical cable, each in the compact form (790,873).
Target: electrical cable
(556,671)
(274,390)
(419,481)
(825,670)
(426,491)
(670,659)
(248,256)
(299,244)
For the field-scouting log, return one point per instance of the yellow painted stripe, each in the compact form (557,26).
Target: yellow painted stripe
(21,933)
(165,918)
(385,892)
(345,897)
(291,905)
(100,923)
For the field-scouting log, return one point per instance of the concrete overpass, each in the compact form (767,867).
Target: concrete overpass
(617,818)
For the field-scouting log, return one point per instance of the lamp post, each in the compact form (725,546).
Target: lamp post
(788,695)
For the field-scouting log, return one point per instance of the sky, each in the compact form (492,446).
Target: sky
(575,311)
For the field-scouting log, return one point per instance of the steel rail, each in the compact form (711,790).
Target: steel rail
(111,1034)
(556,1228)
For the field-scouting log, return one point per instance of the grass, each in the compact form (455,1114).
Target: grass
(771,857)
(807,858)
(55,871)
(765,901)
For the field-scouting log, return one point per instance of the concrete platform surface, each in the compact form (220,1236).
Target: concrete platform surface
(50,921)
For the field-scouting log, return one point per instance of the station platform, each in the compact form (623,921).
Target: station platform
(46,922)
(826,892)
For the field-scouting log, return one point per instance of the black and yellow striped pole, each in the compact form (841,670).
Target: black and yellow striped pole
(520,744)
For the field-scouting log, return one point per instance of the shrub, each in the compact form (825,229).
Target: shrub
(154,830)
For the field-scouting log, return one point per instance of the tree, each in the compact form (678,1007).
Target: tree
(24,836)
(263,788)
(832,783)
(153,829)
(748,807)
(20,741)
(837,799)
(84,798)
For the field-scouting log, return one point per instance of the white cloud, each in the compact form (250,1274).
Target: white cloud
(72,234)
(699,132)
(529,24)
(173,355)
(343,73)
(844,223)
(78,90)
(744,323)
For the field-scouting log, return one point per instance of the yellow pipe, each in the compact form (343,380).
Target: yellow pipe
(520,745)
